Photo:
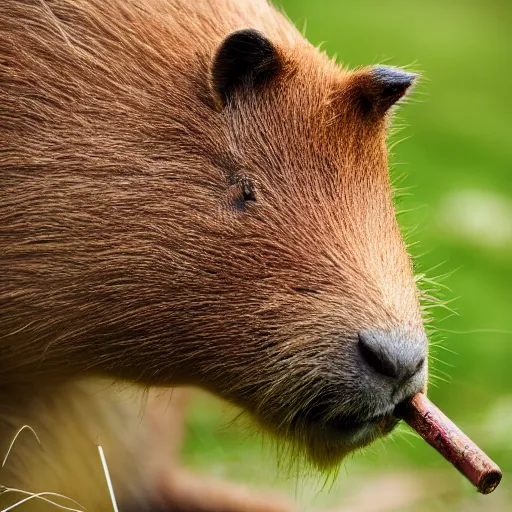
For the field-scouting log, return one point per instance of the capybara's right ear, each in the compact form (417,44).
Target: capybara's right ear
(245,59)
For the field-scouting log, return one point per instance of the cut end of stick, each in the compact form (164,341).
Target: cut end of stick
(443,435)
(490,481)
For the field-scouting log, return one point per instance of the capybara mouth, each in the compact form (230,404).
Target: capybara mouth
(359,432)
(330,438)
(380,425)
(321,417)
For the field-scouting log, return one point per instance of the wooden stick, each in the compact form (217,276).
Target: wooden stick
(441,433)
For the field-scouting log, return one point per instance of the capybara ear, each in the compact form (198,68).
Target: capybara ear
(246,58)
(378,88)
(391,85)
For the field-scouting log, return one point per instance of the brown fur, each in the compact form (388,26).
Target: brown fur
(126,251)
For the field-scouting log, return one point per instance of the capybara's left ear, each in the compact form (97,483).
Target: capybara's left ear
(245,59)
(374,90)
(391,84)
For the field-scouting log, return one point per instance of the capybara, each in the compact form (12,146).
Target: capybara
(193,195)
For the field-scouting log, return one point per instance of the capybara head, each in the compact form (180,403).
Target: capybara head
(201,203)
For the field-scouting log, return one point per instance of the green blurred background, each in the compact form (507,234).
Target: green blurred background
(457,161)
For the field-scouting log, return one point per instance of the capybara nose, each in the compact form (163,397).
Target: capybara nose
(391,354)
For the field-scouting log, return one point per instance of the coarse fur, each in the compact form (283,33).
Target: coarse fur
(130,246)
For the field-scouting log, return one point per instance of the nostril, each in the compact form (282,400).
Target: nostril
(412,369)
(390,354)
(376,357)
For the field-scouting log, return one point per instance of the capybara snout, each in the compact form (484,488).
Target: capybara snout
(213,211)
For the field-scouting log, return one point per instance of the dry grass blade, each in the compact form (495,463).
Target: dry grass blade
(41,496)
(28,427)
(31,495)
(107,477)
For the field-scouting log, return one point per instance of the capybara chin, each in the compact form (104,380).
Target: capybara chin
(192,194)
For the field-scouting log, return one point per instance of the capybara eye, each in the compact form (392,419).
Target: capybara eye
(247,190)
(241,193)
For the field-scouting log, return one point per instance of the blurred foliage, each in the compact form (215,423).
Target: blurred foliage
(457,161)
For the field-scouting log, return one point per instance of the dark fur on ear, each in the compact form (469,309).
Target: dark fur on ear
(245,57)
(391,84)
(378,88)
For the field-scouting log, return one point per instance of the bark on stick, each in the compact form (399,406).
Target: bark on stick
(441,433)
